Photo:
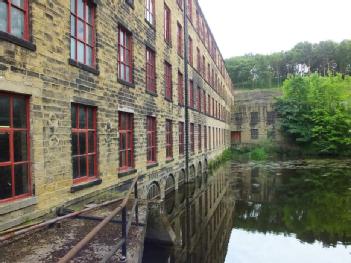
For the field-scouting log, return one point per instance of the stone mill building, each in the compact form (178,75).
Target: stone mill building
(92,95)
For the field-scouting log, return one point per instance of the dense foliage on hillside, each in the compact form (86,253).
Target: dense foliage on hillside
(266,71)
(315,113)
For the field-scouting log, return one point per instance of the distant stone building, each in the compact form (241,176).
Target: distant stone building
(92,95)
(254,118)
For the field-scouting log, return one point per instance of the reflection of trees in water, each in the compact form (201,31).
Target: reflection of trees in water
(313,204)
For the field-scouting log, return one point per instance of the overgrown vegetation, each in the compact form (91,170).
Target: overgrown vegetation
(315,113)
(267,71)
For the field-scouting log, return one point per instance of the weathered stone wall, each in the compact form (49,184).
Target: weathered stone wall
(53,84)
(262,103)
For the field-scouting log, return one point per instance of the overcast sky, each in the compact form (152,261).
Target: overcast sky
(266,26)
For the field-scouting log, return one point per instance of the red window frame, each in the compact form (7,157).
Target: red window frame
(199,138)
(78,39)
(190,10)
(151,139)
(12,130)
(24,10)
(213,108)
(191,94)
(169,139)
(191,60)
(180,4)
(180,89)
(179,39)
(125,61)
(199,99)
(181,138)
(198,58)
(168,81)
(205,138)
(167,25)
(87,129)
(192,137)
(209,138)
(204,102)
(150,11)
(126,140)
(150,70)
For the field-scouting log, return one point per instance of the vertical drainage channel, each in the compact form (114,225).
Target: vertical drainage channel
(186,51)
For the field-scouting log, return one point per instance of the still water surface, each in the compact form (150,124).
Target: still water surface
(272,212)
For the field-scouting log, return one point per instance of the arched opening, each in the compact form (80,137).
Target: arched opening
(170,184)
(199,176)
(181,178)
(154,191)
(192,173)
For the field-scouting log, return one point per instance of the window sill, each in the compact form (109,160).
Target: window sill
(151,165)
(83,67)
(85,185)
(127,172)
(151,93)
(151,25)
(168,160)
(130,4)
(168,99)
(17,41)
(17,205)
(126,83)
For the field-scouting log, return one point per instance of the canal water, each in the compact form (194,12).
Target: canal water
(256,212)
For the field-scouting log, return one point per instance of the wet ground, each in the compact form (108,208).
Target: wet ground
(270,212)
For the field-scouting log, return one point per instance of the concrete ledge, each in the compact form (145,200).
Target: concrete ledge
(17,205)
(82,186)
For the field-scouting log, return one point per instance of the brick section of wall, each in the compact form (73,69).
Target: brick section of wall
(53,85)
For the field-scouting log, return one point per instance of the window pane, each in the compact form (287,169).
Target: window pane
(123,141)
(89,55)
(130,164)
(74,143)
(20,146)
(75,167)
(3,16)
(80,9)
(91,142)
(122,158)
(80,30)
(90,118)
(4,111)
(73,25)
(19,3)
(83,166)
(74,116)
(73,48)
(4,147)
(82,117)
(80,52)
(89,35)
(91,166)
(82,141)
(5,182)
(19,112)
(89,14)
(21,179)
(17,22)
(73,6)
(127,74)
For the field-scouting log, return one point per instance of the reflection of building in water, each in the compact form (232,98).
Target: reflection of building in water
(255,184)
(211,211)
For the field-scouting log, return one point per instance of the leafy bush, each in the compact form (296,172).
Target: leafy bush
(315,113)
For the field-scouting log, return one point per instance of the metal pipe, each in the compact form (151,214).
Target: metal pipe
(78,247)
(186,51)
(54,220)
